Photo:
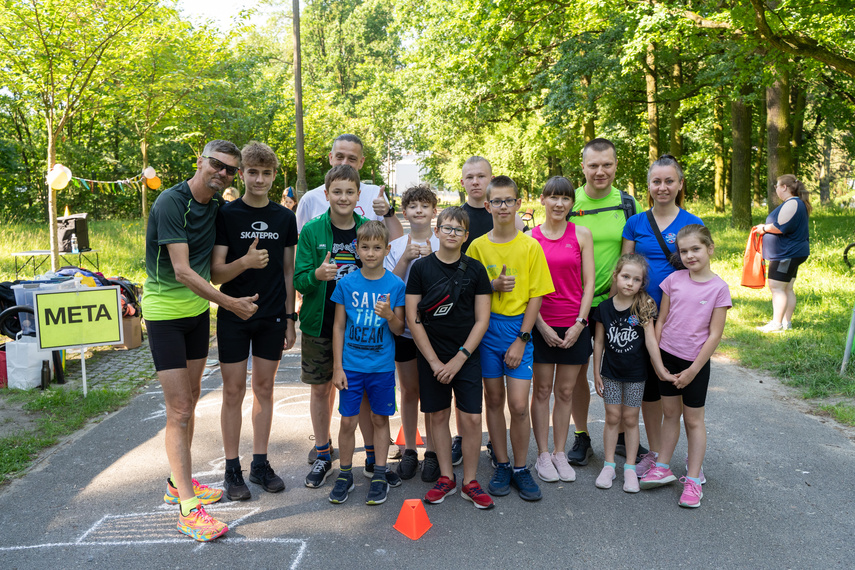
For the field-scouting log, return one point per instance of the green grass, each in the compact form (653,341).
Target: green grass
(842,412)
(121,243)
(61,412)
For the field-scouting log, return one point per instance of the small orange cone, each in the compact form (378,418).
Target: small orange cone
(413,520)
(401,441)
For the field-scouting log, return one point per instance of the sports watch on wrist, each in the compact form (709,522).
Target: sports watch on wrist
(465,352)
(583,321)
(292,316)
(524,336)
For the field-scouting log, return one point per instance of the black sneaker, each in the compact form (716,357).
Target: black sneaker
(313,453)
(492,454)
(430,468)
(581,450)
(409,464)
(457,450)
(377,492)
(319,473)
(394,450)
(343,486)
(236,489)
(393,478)
(620,448)
(263,475)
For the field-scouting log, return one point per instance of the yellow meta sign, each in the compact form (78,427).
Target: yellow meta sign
(83,317)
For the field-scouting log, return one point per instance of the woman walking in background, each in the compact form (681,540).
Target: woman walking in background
(786,245)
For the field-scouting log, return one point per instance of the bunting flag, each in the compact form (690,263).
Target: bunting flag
(110,186)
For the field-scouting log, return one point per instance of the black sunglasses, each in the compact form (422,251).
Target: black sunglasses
(219,165)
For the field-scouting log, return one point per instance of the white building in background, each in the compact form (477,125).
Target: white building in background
(406,173)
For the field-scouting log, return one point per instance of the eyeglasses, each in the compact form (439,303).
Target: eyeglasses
(452,230)
(219,165)
(507,202)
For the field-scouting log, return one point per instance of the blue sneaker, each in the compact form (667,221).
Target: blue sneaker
(524,483)
(500,484)
(457,450)
(492,454)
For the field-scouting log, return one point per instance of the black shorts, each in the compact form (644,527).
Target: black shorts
(175,341)
(695,394)
(651,386)
(405,349)
(784,269)
(579,353)
(467,387)
(267,335)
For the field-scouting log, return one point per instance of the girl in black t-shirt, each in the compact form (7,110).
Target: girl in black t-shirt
(624,340)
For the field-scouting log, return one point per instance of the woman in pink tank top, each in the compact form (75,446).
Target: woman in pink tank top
(561,338)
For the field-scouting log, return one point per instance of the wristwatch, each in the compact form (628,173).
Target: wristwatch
(583,321)
(465,352)
(292,316)
(524,336)
(391,211)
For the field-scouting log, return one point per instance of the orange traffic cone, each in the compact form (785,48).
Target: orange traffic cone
(400,439)
(413,521)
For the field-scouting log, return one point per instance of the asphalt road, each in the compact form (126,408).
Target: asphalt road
(777,497)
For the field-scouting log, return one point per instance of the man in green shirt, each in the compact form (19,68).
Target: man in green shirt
(179,241)
(599,164)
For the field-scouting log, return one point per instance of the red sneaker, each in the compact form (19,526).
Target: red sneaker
(473,492)
(444,486)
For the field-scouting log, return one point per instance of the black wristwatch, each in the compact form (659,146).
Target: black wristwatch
(391,211)
(524,336)
(292,316)
(465,352)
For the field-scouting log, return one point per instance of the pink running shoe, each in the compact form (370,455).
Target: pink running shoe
(565,471)
(700,475)
(648,461)
(656,477)
(692,494)
(630,481)
(545,469)
(604,480)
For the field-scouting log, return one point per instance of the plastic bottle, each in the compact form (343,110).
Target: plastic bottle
(45,374)
(74,248)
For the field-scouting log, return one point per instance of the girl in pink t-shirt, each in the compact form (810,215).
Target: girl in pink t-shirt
(691,321)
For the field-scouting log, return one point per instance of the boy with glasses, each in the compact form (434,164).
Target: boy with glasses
(519,279)
(449,360)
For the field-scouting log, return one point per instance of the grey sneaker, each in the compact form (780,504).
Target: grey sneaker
(430,468)
(313,453)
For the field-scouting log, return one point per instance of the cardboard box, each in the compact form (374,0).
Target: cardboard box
(132,331)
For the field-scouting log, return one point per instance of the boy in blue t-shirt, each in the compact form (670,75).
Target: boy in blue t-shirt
(369,308)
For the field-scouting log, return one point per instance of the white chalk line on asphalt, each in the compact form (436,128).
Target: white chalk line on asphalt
(301,544)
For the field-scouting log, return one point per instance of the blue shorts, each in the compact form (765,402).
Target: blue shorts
(501,333)
(380,387)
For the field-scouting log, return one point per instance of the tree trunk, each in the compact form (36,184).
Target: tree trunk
(779,157)
(799,102)
(652,111)
(300,187)
(54,237)
(718,148)
(760,145)
(825,170)
(144,187)
(676,146)
(740,122)
(588,128)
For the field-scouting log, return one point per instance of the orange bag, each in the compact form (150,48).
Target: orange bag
(753,264)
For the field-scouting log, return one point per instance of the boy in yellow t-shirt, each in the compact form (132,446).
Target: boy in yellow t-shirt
(520,278)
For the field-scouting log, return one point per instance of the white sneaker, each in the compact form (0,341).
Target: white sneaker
(545,469)
(605,478)
(565,471)
(787,325)
(771,327)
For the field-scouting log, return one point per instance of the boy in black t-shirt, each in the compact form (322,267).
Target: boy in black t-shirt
(448,360)
(253,253)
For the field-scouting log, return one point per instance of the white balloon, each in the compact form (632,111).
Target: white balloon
(59,177)
(149,172)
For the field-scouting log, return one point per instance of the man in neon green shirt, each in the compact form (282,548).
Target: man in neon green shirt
(605,220)
(179,242)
